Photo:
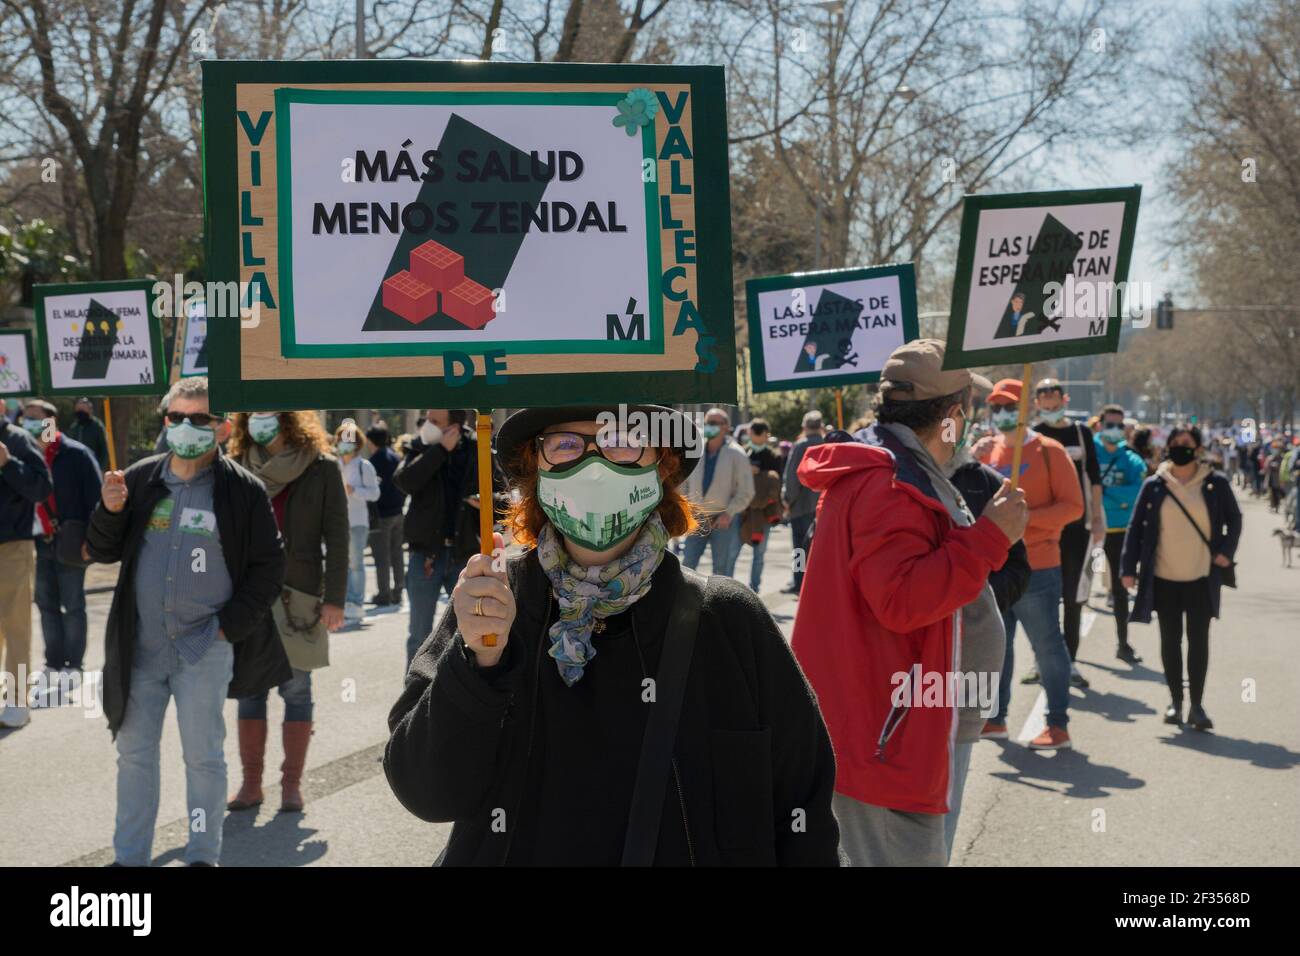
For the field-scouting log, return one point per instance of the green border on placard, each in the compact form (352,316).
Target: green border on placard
(161,372)
(31,364)
(710,190)
(291,348)
(957,357)
(906,274)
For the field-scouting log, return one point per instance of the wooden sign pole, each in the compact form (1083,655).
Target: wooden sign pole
(839,409)
(1025,376)
(486,506)
(108,433)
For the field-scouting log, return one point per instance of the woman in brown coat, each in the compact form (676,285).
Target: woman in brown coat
(289,452)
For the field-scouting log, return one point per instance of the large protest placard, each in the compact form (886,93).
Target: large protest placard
(833,328)
(454,234)
(99,338)
(16,364)
(1040,275)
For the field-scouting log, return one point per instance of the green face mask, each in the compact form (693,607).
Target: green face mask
(965,432)
(263,428)
(190,441)
(1006,421)
(598,504)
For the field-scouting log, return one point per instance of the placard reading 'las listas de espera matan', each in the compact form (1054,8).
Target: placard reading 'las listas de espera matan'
(1041,275)
(833,328)
(426,234)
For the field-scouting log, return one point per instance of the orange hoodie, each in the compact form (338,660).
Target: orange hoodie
(1051,488)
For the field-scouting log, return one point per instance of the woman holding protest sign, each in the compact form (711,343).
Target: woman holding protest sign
(289,452)
(525,717)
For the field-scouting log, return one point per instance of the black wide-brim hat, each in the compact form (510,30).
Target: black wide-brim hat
(674,430)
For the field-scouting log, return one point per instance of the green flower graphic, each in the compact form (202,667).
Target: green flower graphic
(636,110)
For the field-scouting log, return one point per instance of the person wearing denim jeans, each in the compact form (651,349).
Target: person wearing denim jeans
(440,473)
(427,575)
(722,487)
(764,508)
(361,485)
(60,588)
(61,598)
(201,565)
(296,694)
(313,507)
(723,545)
(200,693)
(1039,611)
(1055,498)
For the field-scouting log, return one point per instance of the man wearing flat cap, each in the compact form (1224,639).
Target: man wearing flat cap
(896,607)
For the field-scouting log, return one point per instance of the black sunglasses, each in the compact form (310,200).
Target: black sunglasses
(197,419)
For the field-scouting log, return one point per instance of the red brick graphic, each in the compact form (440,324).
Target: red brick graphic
(437,266)
(469,303)
(410,298)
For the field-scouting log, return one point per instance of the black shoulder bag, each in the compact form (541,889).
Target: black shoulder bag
(1227,575)
(661,726)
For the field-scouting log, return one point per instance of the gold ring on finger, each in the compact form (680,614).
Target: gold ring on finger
(478,607)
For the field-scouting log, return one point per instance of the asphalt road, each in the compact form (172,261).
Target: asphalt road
(1134,791)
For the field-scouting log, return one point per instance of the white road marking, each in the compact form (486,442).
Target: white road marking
(1036,722)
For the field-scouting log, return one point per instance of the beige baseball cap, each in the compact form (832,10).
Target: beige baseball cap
(915,372)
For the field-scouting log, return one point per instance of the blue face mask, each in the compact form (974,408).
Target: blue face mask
(347,447)
(711,431)
(189,441)
(1113,435)
(34,426)
(1054,417)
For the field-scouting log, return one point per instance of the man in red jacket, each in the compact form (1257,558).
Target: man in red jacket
(895,598)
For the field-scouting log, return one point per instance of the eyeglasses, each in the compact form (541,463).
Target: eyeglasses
(560,448)
(197,419)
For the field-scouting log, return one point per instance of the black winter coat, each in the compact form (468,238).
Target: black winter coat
(250,544)
(24,482)
(751,748)
(420,476)
(978,483)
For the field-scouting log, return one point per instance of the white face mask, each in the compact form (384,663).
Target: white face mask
(1054,417)
(430,433)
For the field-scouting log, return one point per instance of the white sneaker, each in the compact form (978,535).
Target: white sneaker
(12,718)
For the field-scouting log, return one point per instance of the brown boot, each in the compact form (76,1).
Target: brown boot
(252,749)
(297,734)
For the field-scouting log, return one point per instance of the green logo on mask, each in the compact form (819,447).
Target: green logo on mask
(598,504)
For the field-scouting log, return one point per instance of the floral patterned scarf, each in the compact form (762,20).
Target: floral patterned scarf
(586,594)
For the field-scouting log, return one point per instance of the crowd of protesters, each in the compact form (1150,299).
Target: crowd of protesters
(242,546)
